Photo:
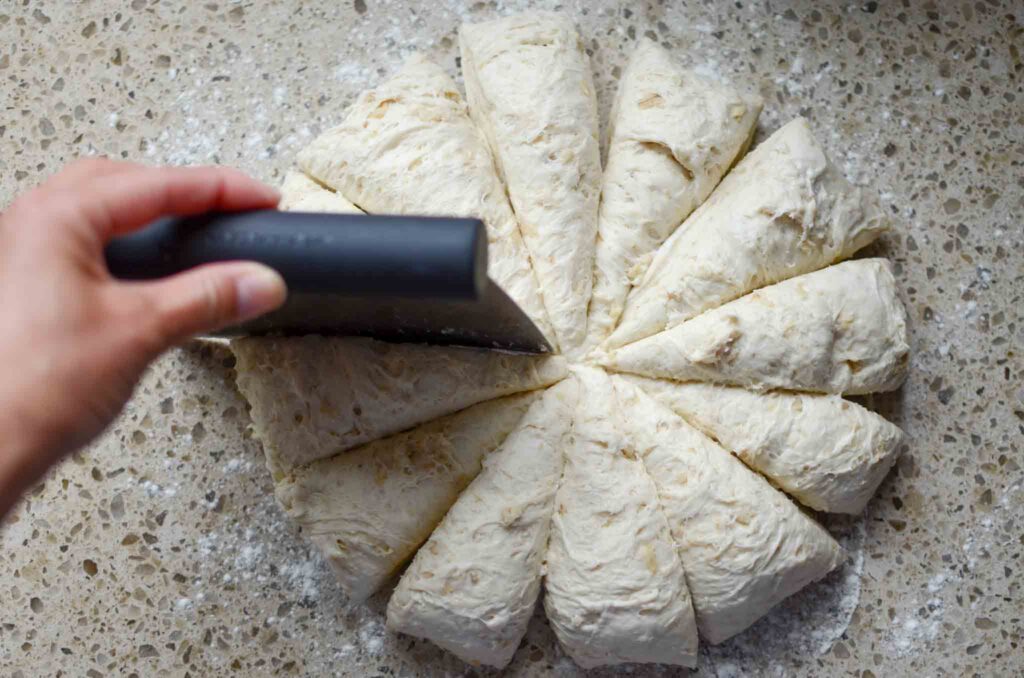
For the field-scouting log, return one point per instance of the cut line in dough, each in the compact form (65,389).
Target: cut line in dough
(784,210)
(842,329)
(828,453)
(530,91)
(299,193)
(745,546)
(673,136)
(615,591)
(471,589)
(313,397)
(370,508)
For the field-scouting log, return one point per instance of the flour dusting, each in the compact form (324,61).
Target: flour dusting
(807,624)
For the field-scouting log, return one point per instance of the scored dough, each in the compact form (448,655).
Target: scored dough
(744,545)
(409,147)
(313,397)
(828,453)
(838,330)
(370,508)
(674,135)
(614,590)
(472,587)
(783,211)
(299,193)
(530,91)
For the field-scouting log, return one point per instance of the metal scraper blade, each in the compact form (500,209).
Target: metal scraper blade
(491,321)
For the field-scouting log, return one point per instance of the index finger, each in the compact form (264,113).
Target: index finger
(117,204)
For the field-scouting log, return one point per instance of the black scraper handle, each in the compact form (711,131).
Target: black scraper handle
(344,254)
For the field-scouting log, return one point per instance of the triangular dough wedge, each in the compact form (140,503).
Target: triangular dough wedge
(783,211)
(615,591)
(530,90)
(409,147)
(299,193)
(744,545)
(839,330)
(370,508)
(472,587)
(313,397)
(828,453)
(674,135)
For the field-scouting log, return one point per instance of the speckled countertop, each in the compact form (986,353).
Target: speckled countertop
(160,550)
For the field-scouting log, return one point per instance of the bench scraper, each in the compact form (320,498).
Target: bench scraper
(395,278)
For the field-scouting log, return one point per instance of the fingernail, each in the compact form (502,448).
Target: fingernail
(259,291)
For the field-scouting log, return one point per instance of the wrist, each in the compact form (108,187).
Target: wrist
(23,458)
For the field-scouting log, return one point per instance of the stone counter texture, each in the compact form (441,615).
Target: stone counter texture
(159,550)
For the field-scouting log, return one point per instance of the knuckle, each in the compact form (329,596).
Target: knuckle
(216,295)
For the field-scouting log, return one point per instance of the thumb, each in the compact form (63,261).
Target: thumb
(212,296)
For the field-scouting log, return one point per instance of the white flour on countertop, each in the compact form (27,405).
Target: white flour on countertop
(807,624)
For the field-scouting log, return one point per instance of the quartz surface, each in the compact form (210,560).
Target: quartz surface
(160,551)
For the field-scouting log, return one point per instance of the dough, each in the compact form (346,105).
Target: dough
(839,330)
(369,509)
(615,590)
(674,135)
(783,211)
(313,397)
(828,453)
(299,193)
(529,88)
(472,587)
(744,545)
(409,147)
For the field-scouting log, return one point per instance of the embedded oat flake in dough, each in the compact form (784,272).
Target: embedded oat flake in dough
(782,211)
(615,591)
(673,136)
(370,508)
(472,587)
(530,91)
(842,329)
(408,146)
(313,397)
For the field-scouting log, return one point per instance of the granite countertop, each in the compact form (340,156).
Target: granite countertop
(160,551)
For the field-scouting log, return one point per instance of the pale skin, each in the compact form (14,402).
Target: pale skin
(73,340)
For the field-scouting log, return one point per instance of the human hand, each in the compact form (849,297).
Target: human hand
(73,340)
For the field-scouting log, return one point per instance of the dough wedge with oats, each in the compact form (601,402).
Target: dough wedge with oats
(838,330)
(530,91)
(615,591)
(745,547)
(472,587)
(784,210)
(828,453)
(673,136)
(369,509)
(313,397)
